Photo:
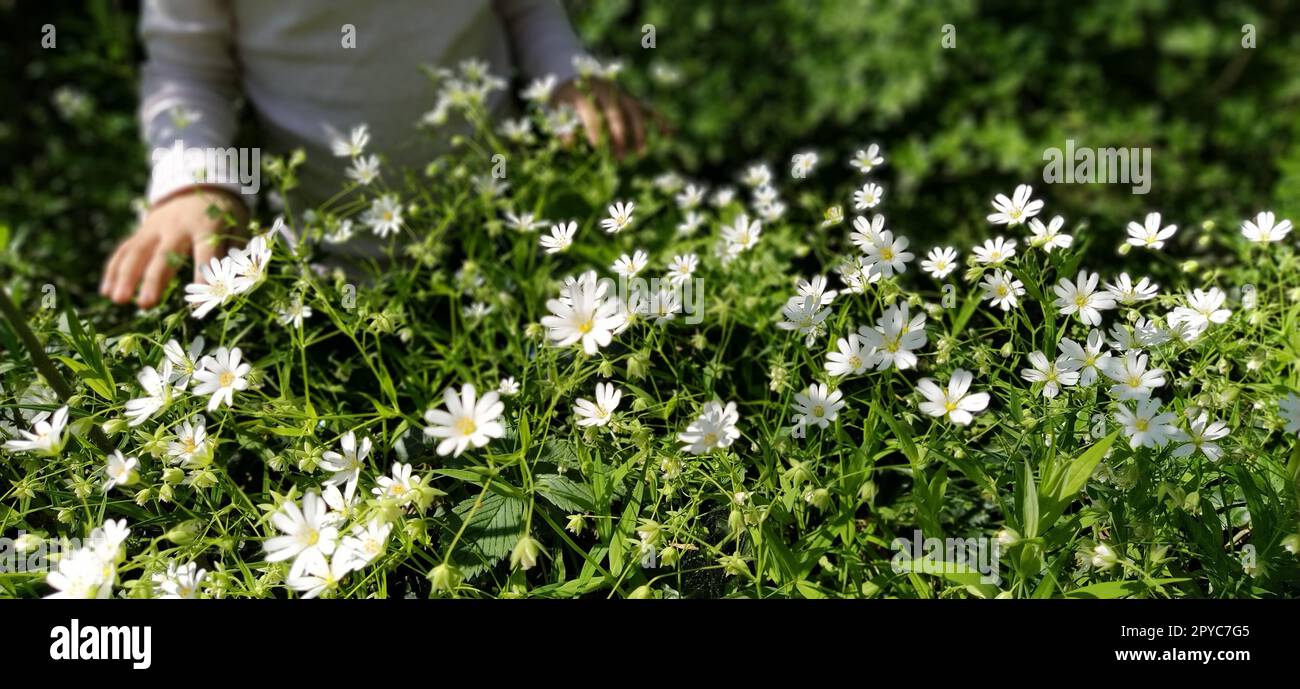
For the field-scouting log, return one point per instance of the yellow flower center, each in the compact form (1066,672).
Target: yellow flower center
(227,379)
(466,426)
(819,410)
(312,537)
(1142,425)
(585,326)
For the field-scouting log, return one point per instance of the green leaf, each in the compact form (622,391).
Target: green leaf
(565,493)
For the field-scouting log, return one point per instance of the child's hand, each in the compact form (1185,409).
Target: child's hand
(597,101)
(178,225)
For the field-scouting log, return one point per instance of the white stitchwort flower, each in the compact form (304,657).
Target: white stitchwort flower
(620,216)
(1150,234)
(867,160)
(1015,210)
(1145,425)
(867,234)
(895,337)
(217,287)
(1002,289)
(364,169)
(295,313)
(742,234)
(467,420)
(599,413)
(583,314)
(682,268)
(184,363)
(1204,307)
(366,543)
(805,314)
(1201,436)
(1127,292)
(869,196)
(817,406)
(508,387)
(1082,297)
(629,266)
(561,237)
(1132,379)
(1088,359)
(354,145)
(955,402)
(802,164)
(757,176)
(384,216)
(1264,228)
(690,197)
(889,255)
(307,530)
(940,262)
(1048,237)
(1052,374)
(853,357)
(119,470)
(191,443)
(46,436)
(524,222)
(179,581)
(995,252)
(220,376)
(714,428)
(346,465)
(403,485)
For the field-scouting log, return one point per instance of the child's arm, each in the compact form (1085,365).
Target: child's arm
(544,43)
(189,85)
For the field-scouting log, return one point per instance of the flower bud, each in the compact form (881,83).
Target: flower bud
(183,533)
(525,553)
(446,577)
(114,426)
(641,592)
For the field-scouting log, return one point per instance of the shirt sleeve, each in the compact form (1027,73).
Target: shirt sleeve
(543,40)
(188,90)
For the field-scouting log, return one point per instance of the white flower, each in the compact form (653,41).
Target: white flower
(953,403)
(691,197)
(852,359)
(191,442)
(995,252)
(681,268)
(367,543)
(1145,425)
(714,428)
(364,169)
(402,486)
(817,406)
(856,274)
(1002,289)
(867,160)
(1086,360)
(119,470)
(723,197)
(620,216)
(295,313)
(1263,230)
(249,263)
(561,237)
(1149,234)
(1126,292)
(833,216)
(183,363)
(691,222)
(583,314)
(1203,308)
(629,266)
(742,234)
(801,164)
(757,176)
(869,196)
(1053,374)
(353,146)
(867,234)
(1201,435)
(217,288)
(46,436)
(306,531)
(220,376)
(180,582)
(539,90)
(1082,297)
(466,421)
(940,262)
(804,314)
(346,465)
(384,216)
(1016,210)
(1289,409)
(894,337)
(889,255)
(82,574)
(316,575)
(1132,379)
(598,414)
(1048,237)
(816,288)
(663,305)
(508,387)
(524,222)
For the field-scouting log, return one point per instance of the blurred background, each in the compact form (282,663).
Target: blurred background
(758,81)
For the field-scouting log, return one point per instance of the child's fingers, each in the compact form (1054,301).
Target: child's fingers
(590,119)
(636,118)
(614,119)
(109,280)
(129,271)
(159,271)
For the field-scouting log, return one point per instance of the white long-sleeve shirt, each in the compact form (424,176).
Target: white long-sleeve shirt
(288,60)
